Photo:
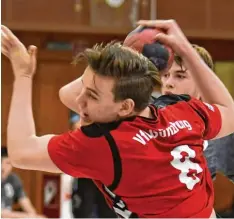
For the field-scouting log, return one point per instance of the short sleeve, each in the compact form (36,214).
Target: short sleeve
(210,115)
(18,188)
(78,155)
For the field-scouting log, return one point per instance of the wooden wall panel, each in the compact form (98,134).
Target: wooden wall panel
(200,18)
(4,10)
(88,16)
(7,80)
(222,15)
(220,50)
(190,14)
(102,15)
(43,12)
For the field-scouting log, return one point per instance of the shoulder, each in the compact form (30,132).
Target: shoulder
(13,177)
(167,100)
(14,180)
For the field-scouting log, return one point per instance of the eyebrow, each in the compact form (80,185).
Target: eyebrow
(181,71)
(90,89)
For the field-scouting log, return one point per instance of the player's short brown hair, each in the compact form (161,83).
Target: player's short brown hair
(205,55)
(134,74)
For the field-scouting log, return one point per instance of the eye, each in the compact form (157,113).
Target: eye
(180,76)
(165,75)
(91,96)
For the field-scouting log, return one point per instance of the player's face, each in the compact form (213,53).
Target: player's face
(96,100)
(6,167)
(178,81)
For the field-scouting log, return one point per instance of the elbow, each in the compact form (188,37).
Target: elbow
(16,164)
(16,160)
(20,151)
(19,162)
(16,157)
(62,95)
(14,153)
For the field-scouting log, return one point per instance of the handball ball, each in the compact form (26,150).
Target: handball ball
(142,39)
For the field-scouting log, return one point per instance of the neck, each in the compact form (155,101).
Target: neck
(146,113)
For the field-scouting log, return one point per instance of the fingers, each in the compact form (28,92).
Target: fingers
(163,38)
(5,51)
(5,44)
(162,24)
(9,40)
(5,40)
(32,51)
(11,37)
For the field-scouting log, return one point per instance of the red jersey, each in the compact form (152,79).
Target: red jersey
(147,167)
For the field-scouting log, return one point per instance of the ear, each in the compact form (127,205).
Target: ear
(127,108)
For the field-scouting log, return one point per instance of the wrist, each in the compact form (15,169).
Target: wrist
(186,51)
(22,81)
(190,56)
(23,77)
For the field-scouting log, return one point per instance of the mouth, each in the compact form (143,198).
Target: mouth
(84,119)
(168,93)
(84,116)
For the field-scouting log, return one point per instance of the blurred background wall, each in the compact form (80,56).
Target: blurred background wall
(61,28)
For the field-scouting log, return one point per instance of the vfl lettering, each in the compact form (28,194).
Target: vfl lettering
(139,137)
(143,137)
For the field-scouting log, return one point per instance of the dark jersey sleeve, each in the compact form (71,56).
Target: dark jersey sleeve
(78,155)
(211,116)
(209,113)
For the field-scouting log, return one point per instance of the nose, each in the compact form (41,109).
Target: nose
(81,100)
(169,83)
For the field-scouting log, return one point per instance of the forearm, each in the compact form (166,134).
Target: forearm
(211,88)
(27,206)
(69,93)
(21,127)
(14,214)
(26,150)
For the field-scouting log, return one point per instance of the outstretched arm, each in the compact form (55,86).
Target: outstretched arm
(5,213)
(26,150)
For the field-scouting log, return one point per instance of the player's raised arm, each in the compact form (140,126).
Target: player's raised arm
(24,146)
(210,86)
